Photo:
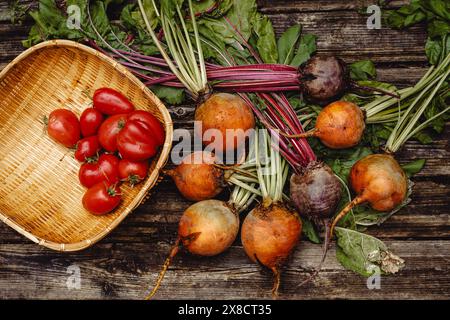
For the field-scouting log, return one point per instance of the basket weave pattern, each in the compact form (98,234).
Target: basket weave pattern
(40,195)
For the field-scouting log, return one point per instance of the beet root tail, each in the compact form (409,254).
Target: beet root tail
(310,133)
(326,245)
(276,282)
(358,200)
(173,253)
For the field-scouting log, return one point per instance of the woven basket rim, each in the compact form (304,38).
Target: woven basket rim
(151,180)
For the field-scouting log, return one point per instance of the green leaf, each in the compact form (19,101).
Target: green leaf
(414,18)
(363,70)
(438,28)
(241,16)
(169,94)
(438,104)
(100,18)
(212,8)
(169,7)
(287,44)
(433,50)
(440,8)
(306,48)
(265,43)
(309,230)
(436,12)
(423,137)
(217,29)
(406,16)
(342,166)
(395,20)
(414,167)
(131,17)
(411,8)
(51,21)
(377,134)
(365,254)
(34,37)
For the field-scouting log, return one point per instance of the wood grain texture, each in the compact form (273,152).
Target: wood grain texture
(126,270)
(125,263)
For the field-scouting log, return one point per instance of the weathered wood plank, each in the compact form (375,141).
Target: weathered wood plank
(127,261)
(335,31)
(287,6)
(125,271)
(346,35)
(277,6)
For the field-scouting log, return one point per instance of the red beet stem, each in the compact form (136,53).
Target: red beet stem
(259,67)
(295,160)
(145,68)
(257,89)
(143,57)
(251,75)
(253,83)
(304,143)
(163,80)
(280,125)
(301,146)
(290,125)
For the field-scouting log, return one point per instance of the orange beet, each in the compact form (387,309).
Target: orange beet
(197,178)
(340,125)
(222,111)
(214,224)
(207,228)
(378,180)
(269,235)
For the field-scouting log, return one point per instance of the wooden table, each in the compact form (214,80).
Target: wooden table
(125,263)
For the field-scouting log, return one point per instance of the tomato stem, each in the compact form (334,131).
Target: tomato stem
(134,179)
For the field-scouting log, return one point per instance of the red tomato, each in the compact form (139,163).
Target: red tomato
(151,123)
(135,142)
(87,148)
(133,172)
(90,121)
(110,128)
(64,127)
(109,101)
(102,198)
(106,169)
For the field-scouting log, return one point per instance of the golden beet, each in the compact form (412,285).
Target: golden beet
(197,178)
(379,180)
(224,111)
(214,225)
(340,125)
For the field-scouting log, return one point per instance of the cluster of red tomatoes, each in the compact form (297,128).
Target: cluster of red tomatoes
(113,141)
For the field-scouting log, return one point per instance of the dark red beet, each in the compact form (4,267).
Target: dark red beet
(316,191)
(324,78)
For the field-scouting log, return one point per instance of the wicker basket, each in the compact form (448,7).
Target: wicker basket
(40,196)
